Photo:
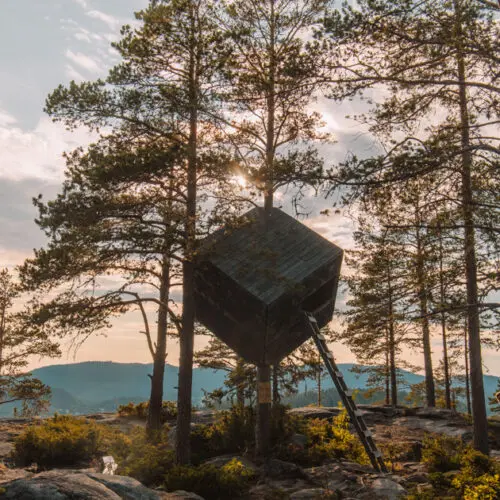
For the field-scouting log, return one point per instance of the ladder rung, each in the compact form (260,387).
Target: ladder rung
(329,354)
(368,433)
(312,318)
(339,374)
(321,337)
(358,413)
(348,393)
(377,454)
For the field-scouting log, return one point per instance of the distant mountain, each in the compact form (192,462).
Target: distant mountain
(359,381)
(103,386)
(97,382)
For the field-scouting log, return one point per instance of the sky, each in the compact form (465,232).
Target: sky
(46,43)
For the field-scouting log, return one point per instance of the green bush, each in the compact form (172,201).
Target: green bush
(479,477)
(234,432)
(140,410)
(66,441)
(228,482)
(476,476)
(145,461)
(442,453)
(325,441)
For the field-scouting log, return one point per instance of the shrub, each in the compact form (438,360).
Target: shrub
(325,441)
(140,410)
(145,461)
(232,432)
(442,453)
(479,477)
(65,441)
(230,481)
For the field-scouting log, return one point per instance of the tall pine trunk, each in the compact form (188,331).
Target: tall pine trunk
(387,374)
(480,421)
(276,385)
(263,429)
(430,391)
(154,422)
(447,382)
(186,341)
(320,373)
(467,378)
(392,340)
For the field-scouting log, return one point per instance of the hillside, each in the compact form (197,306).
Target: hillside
(102,386)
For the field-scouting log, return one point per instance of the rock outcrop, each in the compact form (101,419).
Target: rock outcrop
(70,485)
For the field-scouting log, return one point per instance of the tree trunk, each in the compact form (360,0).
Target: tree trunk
(447,384)
(430,392)
(387,371)
(240,390)
(479,417)
(186,340)
(392,356)
(2,334)
(320,373)
(392,340)
(154,423)
(276,391)
(263,427)
(467,379)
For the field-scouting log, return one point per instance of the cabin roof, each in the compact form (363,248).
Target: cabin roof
(268,258)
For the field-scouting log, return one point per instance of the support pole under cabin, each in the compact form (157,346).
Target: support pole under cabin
(263,424)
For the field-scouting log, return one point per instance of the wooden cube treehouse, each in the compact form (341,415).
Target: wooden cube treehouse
(253,282)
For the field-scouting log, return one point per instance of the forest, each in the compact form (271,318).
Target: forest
(218,106)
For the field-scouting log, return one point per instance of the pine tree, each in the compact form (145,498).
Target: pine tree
(20,339)
(271,77)
(431,56)
(376,325)
(164,91)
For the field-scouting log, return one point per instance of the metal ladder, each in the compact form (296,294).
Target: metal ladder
(354,413)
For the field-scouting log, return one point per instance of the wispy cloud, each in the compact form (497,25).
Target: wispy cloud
(84,61)
(113,22)
(83,3)
(36,153)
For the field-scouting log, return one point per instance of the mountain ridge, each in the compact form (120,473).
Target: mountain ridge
(92,386)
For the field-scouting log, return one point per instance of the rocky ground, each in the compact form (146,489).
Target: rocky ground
(399,432)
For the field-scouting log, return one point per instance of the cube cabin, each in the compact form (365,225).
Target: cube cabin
(254,280)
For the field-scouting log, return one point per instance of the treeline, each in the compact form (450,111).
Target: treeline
(211,109)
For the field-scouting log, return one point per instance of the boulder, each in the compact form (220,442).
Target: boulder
(315,412)
(309,494)
(64,485)
(279,469)
(437,413)
(299,440)
(416,478)
(181,495)
(387,489)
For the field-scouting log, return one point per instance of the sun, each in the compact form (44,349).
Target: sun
(240,180)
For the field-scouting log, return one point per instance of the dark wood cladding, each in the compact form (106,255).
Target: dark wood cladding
(253,281)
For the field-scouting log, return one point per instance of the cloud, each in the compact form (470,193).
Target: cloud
(84,61)
(37,153)
(83,3)
(73,74)
(6,119)
(112,22)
